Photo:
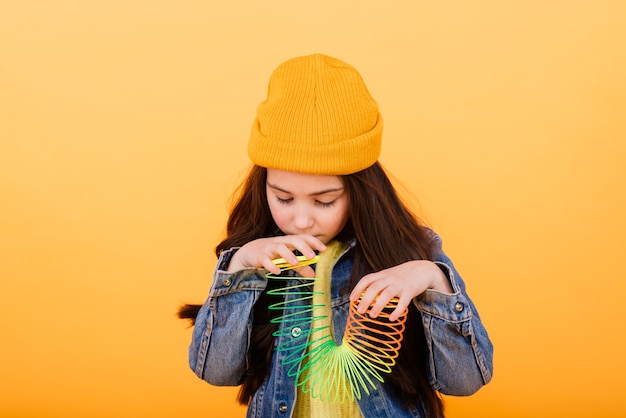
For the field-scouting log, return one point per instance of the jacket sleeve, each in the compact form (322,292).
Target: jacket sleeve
(221,335)
(461,353)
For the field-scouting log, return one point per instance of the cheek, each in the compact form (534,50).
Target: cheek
(338,219)
(279,215)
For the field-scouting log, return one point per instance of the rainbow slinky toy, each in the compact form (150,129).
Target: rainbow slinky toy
(322,368)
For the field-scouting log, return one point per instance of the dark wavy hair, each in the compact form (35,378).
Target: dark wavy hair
(387,233)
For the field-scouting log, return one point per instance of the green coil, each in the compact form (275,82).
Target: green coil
(331,372)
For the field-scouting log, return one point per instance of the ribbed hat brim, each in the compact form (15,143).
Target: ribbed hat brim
(318,118)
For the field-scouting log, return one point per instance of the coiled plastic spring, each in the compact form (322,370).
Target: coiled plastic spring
(322,368)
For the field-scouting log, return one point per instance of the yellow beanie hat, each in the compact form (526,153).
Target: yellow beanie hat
(318,118)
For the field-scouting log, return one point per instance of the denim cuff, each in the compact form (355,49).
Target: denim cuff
(453,307)
(225,282)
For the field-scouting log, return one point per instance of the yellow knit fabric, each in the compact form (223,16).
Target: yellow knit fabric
(318,118)
(306,405)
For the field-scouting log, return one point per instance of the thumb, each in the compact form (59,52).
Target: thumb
(305,271)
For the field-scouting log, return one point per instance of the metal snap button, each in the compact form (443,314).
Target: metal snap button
(282,408)
(226,282)
(296,332)
(458,307)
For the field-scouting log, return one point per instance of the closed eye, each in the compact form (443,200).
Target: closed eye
(283,201)
(325,204)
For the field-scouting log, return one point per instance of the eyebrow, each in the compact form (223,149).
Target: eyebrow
(321,192)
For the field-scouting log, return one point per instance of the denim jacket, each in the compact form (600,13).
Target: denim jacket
(460,352)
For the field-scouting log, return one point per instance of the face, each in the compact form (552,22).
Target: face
(307,203)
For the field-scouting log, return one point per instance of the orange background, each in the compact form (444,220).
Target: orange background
(123,128)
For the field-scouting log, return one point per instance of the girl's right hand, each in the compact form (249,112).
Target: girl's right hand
(261,252)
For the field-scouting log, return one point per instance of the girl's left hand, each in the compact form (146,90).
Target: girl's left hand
(404,281)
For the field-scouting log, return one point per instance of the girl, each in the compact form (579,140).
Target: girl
(316,182)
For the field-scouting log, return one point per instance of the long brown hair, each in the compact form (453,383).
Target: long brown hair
(387,233)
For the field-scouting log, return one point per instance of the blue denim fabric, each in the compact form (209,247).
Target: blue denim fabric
(461,354)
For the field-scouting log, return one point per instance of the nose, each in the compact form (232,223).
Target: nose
(303,219)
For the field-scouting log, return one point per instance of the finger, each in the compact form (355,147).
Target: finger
(369,297)
(285,252)
(307,244)
(305,271)
(377,308)
(356,292)
(290,243)
(315,243)
(399,311)
(381,301)
(270,266)
(361,286)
